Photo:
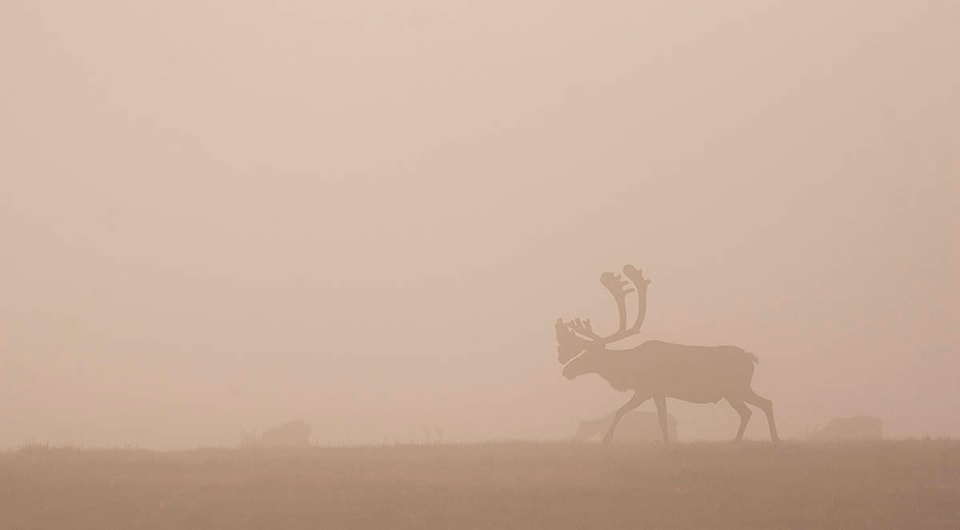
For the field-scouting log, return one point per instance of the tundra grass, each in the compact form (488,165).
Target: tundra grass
(891,484)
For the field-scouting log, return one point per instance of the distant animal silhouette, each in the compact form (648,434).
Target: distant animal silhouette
(636,426)
(290,434)
(432,434)
(657,369)
(853,428)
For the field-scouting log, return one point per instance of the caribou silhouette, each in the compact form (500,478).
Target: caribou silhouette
(636,426)
(656,369)
(853,428)
(290,434)
(432,434)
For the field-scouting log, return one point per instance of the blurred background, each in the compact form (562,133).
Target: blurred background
(368,215)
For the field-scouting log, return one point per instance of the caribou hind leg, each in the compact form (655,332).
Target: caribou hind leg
(661,403)
(634,402)
(744,411)
(766,406)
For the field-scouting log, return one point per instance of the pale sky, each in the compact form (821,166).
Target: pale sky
(368,217)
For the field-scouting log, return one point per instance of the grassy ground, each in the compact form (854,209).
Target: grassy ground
(896,485)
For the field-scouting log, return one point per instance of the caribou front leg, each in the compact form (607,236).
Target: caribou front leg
(634,402)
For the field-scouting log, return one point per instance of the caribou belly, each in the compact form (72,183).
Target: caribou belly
(697,397)
(693,387)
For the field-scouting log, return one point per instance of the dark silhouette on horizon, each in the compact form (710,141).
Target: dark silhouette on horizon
(853,428)
(433,434)
(636,426)
(290,434)
(659,370)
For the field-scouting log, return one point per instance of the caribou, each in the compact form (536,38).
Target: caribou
(853,428)
(637,426)
(290,434)
(655,369)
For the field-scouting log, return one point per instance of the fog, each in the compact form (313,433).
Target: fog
(368,215)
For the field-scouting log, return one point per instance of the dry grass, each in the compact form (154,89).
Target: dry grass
(896,485)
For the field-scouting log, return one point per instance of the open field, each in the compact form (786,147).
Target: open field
(896,485)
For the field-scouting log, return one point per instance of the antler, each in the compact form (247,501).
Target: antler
(576,329)
(583,328)
(641,283)
(569,344)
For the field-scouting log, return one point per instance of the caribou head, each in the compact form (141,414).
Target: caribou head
(576,337)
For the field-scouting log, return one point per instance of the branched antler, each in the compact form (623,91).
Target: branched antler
(582,328)
(576,335)
(617,287)
(569,344)
(641,283)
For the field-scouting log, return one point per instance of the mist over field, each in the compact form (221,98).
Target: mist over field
(367,215)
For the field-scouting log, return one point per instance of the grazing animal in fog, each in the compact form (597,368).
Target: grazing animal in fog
(853,428)
(432,433)
(290,434)
(657,369)
(636,426)
(437,434)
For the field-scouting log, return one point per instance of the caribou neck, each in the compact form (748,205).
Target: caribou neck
(615,368)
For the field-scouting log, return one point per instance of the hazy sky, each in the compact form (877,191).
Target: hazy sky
(367,215)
